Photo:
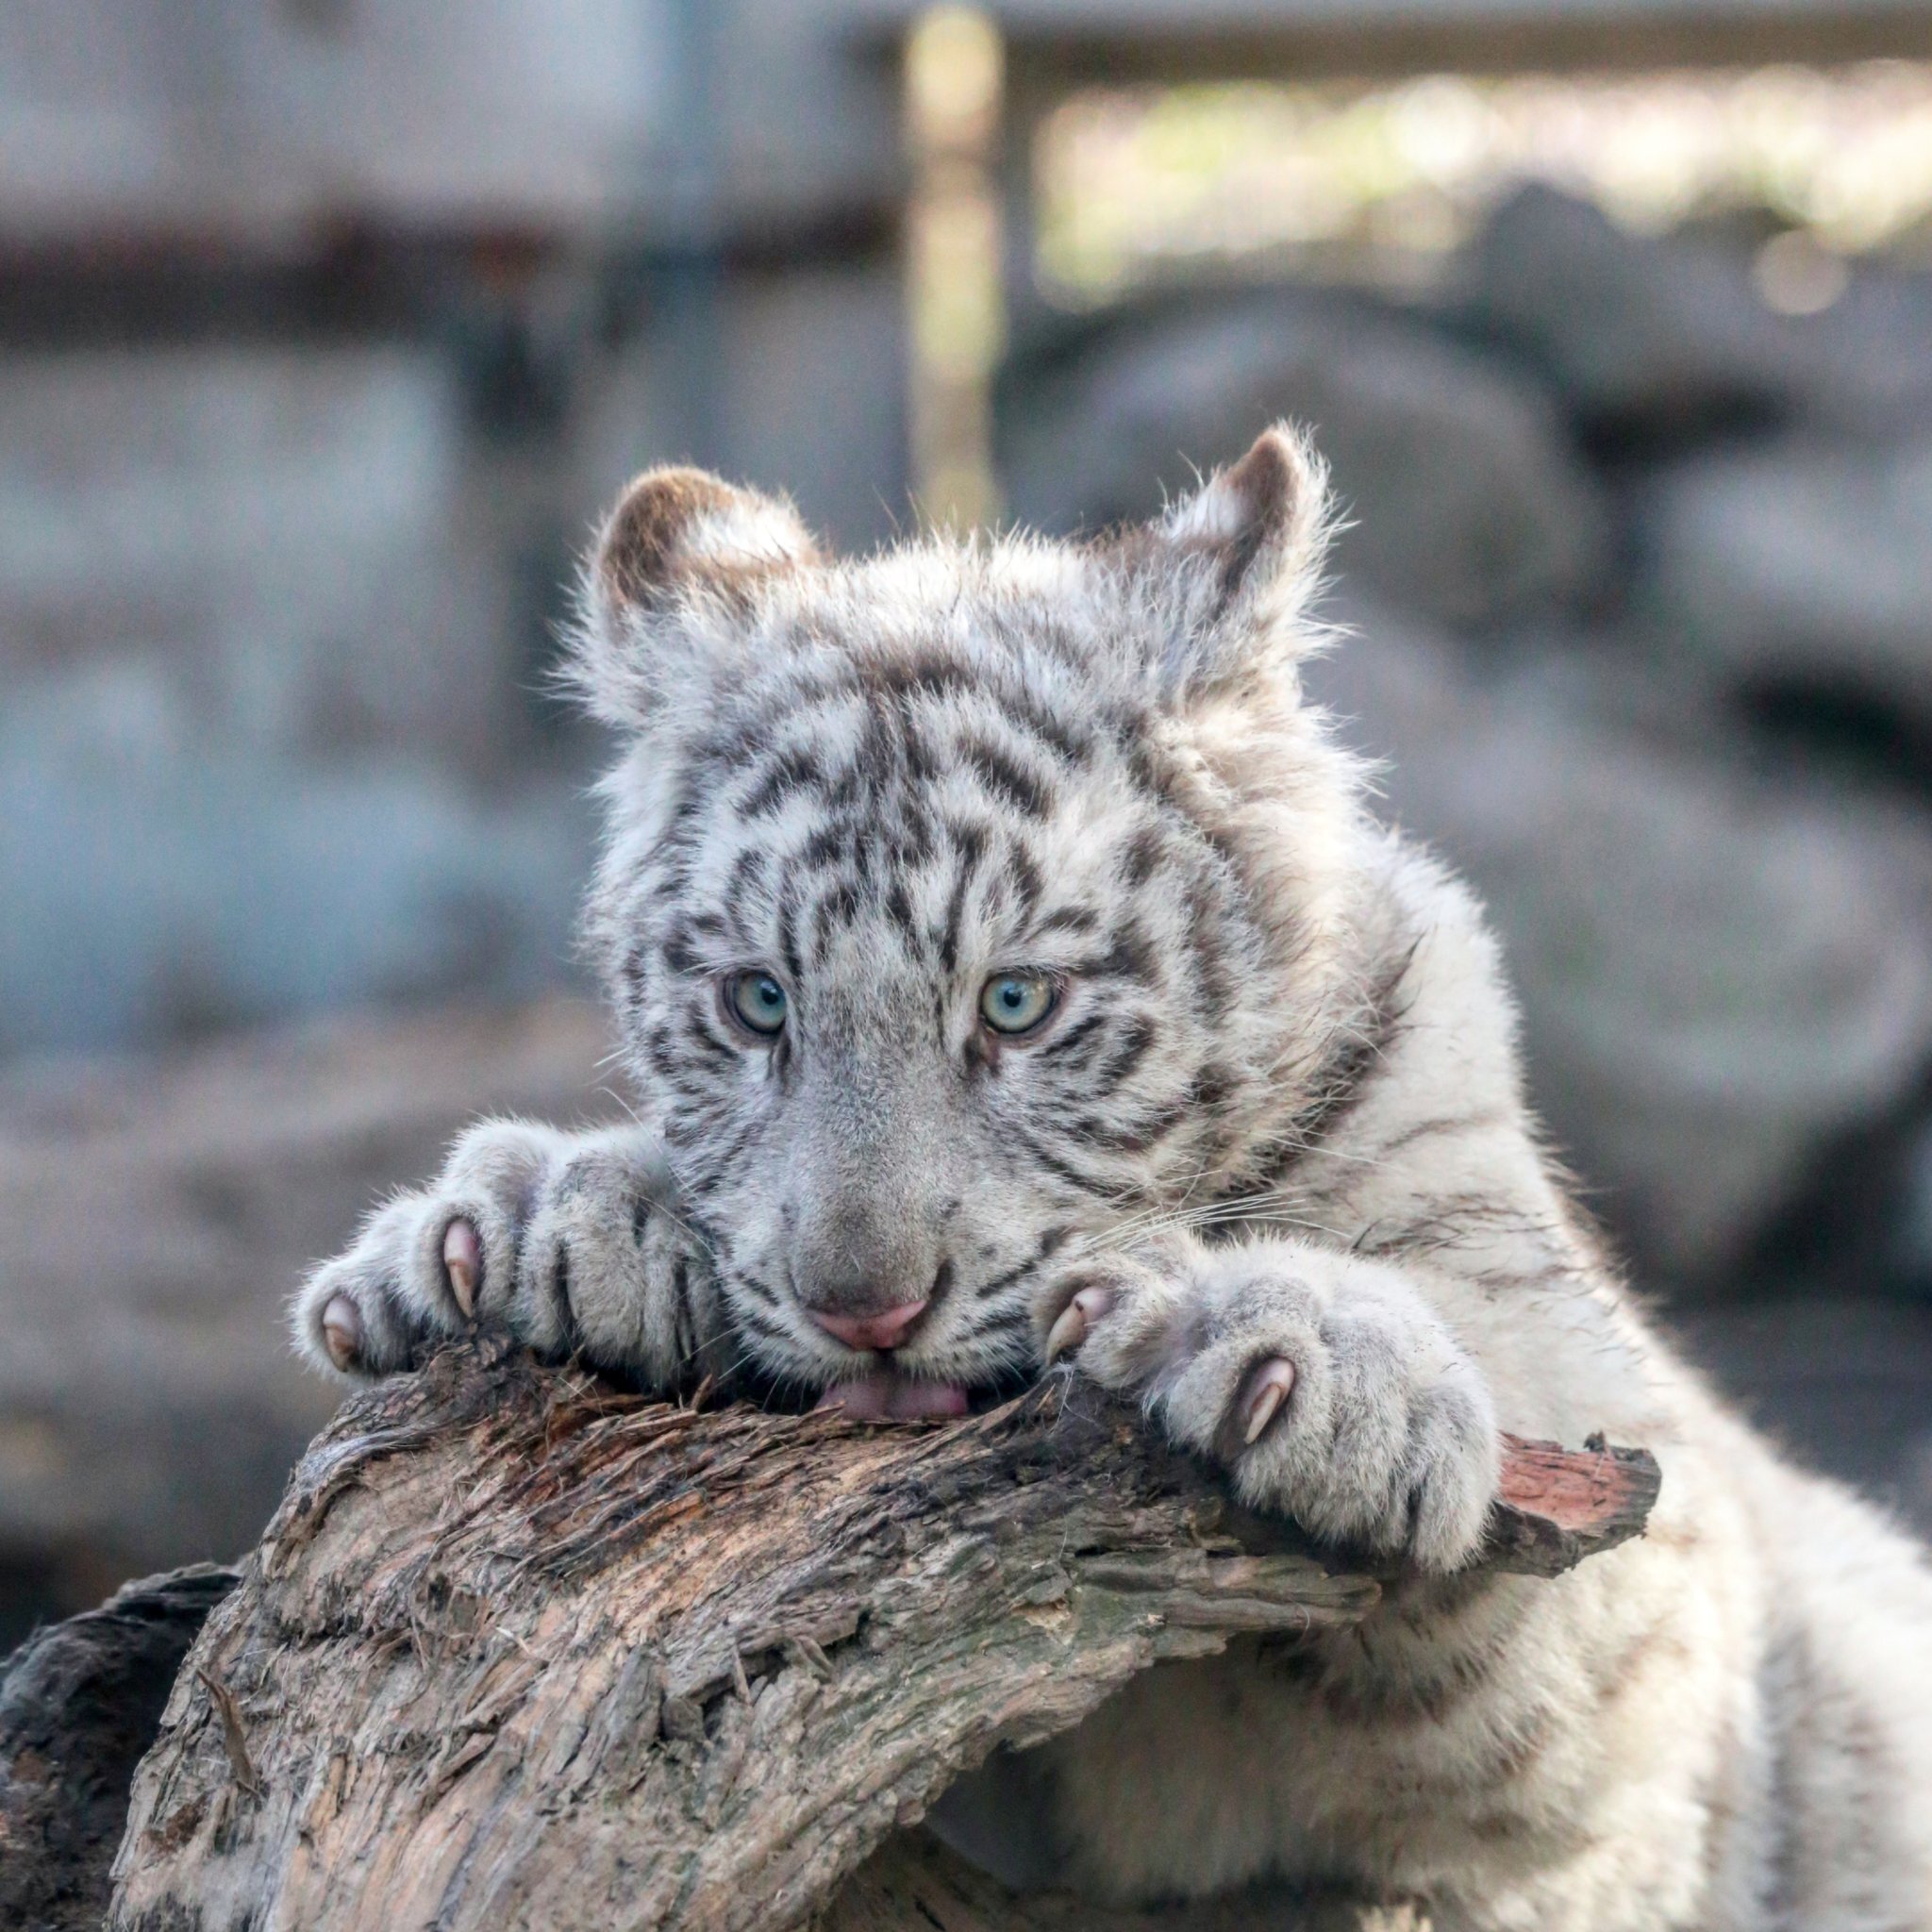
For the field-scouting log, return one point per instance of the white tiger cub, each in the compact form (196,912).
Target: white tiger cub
(1008,969)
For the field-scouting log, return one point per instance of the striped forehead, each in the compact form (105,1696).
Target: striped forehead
(929,815)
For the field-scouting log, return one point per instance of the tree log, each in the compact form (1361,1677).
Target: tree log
(520,1649)
(79,1704)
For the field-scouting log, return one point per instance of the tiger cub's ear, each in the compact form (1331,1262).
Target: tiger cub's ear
(678,528)
(1229,573)
(679,540)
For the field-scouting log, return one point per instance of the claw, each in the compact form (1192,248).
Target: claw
(1070,1330)
(341,1331)
(462,1260)
(1267,1387)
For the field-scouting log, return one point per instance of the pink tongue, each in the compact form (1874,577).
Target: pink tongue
(889,1397)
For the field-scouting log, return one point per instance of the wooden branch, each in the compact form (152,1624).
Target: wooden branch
(519,1650)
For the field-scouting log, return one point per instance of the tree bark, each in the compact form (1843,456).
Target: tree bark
(522,1650)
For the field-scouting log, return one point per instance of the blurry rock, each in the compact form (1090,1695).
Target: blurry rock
(1844,1386)
(1800,566)
(1470,508)
(280,539)
(1915,1485)
(154,1215)
(1642,335)
(79,1705)
(151,891)
(1872,353)
(1718,976)
(1911,1256)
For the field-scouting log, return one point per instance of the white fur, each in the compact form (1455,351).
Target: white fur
(1276,1124)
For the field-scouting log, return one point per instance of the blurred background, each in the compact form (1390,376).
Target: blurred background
(327,326)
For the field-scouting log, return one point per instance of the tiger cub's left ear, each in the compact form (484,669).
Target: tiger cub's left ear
(680,543)
(1231,571)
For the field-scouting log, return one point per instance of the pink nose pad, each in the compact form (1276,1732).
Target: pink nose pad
(884,1330)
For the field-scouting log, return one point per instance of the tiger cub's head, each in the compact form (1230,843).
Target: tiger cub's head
(963,902)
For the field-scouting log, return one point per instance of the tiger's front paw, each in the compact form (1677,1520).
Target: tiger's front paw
(569,1242)
(1327,1385)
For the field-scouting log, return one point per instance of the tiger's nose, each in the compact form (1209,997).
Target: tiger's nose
(886,1330)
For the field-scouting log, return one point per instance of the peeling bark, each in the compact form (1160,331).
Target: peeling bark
(521,1650)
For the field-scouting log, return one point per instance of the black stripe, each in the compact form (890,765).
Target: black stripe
(970,841)
(1136,1040)
(1434,1125)
(834,913)
(1067,919)
(747,870)
(1132,1136)
(1211,979)
(1000,1321)
(926,674)
(1006,778)
(562,1309)
(676,950)
(1088,1183)
(899,911)
(751,1318)
(1025,872)
(827,845)
(1129,956)
(794,770)
(698,1034)
(1352,1065)
(788,934)
(1140,856)
(1048,1242)
(1082,1029)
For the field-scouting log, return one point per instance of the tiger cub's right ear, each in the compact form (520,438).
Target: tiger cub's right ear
(678,541)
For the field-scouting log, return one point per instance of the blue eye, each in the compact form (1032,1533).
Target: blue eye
(1016,1002)
(756,1000)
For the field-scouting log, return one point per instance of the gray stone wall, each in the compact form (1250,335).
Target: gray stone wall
(275,621)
